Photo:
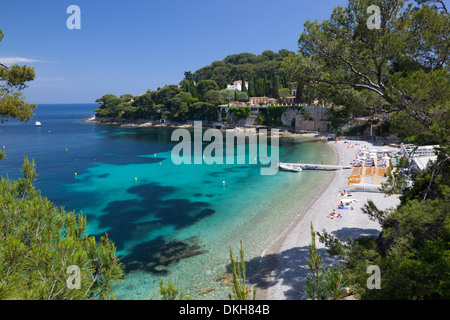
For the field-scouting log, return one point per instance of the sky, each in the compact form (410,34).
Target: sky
(135,45)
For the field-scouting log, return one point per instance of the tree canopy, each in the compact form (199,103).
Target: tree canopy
(13,80)
(261,71)
(400,70)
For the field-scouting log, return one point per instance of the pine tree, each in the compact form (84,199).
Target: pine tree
(276,87)
(41,245)
(238,268)
(251,86)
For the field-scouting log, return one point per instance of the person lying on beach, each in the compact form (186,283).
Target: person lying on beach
(331,215)
(343,193)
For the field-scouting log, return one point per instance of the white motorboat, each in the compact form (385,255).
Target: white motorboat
(289,167)
(38,124)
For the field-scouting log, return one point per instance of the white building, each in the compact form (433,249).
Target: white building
(237,85)
(420,157)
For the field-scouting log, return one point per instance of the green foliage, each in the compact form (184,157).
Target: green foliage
(240,112)
(170,292)
(204,86)
(400,69)
(204,111)
(13,80)
(214,97)
(276,87)
(322,284)
(108,106)
(261,71)
(242,96)
(39,241)
(2,155)
(273,117)
(355,131)
(238,269)
(167,92)
(178,107)
(283,93)
(227,94)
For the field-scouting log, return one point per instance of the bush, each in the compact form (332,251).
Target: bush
(240,112)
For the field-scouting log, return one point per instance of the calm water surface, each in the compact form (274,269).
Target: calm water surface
(168,221)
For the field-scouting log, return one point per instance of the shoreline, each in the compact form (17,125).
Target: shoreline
(283,268)
(140,123)
(270,259)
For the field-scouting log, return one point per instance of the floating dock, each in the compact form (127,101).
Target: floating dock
(324,167)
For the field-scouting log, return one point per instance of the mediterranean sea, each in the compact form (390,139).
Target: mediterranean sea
(168,221)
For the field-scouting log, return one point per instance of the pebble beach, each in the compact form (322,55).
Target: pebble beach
(284,265)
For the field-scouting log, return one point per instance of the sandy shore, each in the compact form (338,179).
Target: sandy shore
(284,266)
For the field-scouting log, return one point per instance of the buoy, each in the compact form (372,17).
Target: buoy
(76,173)
(223,181)
(135,178)
(4,147)
(155,154)
(66,149)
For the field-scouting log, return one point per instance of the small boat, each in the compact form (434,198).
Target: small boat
(38,124)
(289,167)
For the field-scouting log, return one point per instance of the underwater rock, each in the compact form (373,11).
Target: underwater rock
(227,279)
(157,256)
(205,291)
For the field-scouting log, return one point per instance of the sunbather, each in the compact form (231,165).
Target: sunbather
(331,215)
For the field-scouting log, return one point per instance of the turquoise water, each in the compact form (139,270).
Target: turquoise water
(174,222)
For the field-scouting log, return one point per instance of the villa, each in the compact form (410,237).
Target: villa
(253,101)
(237,85)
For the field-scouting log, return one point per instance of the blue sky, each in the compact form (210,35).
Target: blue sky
(136,45)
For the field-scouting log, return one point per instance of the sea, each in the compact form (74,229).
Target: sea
(175,222)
